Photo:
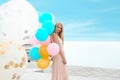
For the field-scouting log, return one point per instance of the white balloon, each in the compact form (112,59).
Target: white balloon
(13,60)
(0,29)
(18,18)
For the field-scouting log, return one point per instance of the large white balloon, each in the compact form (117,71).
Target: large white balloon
(13,60)
(18,18)
(0,33)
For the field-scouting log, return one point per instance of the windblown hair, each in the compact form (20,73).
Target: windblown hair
(61,34)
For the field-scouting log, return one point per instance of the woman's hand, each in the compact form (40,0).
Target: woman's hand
(64,61)
(51,57)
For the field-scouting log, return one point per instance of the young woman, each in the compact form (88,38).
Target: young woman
(59,71)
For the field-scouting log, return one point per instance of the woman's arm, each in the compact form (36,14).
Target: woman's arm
(55,40)
(63,57)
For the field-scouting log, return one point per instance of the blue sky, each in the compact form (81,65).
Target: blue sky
(84,20)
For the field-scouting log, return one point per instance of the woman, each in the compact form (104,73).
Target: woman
(59,71)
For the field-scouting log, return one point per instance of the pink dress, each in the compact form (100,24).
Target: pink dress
(59,71)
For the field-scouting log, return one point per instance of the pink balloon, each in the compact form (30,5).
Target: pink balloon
(34,41)
(53,49)
(47,42)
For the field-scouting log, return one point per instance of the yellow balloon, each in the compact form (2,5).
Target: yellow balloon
(43,51)
(43,63)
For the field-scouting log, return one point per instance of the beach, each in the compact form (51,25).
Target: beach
(75,73)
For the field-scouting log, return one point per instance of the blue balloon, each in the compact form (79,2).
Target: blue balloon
(45,16)
(41,34)
(49,26)
(34,54)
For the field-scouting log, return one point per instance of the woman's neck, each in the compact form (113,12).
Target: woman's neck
(57,33)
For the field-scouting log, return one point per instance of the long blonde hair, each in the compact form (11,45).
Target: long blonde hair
(61,34)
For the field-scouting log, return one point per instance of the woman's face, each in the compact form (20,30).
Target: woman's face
(58,28)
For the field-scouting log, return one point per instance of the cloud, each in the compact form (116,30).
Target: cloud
(109,34)
(78,30)
(108,10)
(80,26)
(106,36)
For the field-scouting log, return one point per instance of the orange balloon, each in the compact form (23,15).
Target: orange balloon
(43,63)
(43,51)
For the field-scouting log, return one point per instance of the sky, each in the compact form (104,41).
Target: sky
(84,20)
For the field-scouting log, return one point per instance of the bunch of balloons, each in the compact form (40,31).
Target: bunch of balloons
(42,38)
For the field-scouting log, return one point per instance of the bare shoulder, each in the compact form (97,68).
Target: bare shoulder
(54,38)
(54,35)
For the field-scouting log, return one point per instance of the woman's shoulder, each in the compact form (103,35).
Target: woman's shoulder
(54,35)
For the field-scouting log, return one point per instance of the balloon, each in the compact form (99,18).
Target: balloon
(43,63)
(49,26)
(18,20)
(41,34)
(46,16)
(13,60)
(47,42)
(34,54)
(34,41)
(53,49)
(43,51)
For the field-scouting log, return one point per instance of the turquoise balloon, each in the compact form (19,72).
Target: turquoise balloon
(45,16)
(41,34)
(34,54)
(49,26)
